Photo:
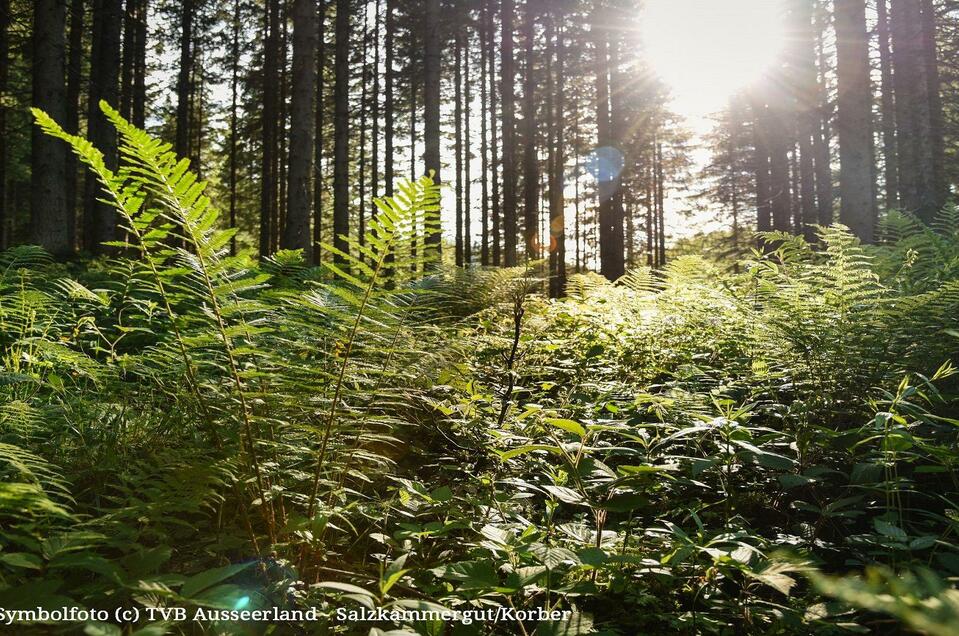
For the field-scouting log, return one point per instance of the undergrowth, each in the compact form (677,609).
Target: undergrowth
(687,451)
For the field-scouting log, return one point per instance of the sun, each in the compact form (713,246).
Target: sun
(707,50)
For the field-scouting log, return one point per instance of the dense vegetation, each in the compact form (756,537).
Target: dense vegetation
(683,451)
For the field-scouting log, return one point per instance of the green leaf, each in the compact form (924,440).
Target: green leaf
(203,580)
(22,560)
(391,579)
(564,494)
(887,529)
(569,426)
(529,448)
(344,587)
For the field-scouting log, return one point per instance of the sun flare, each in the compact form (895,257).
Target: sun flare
(707,50)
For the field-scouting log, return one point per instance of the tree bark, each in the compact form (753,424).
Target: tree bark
(72,120)
(857,189)
(507,97)
(4,80)
(318,149)
(128,56)
(296,233)
(496,208)
(140,66)
(99,218)
(887,109)
(341,129)
(183,92)
(557,181)
(48,159)
(821,132)
(234,115)
(912,110)
(433,37)
(458,144)
(467,176)
(611,258)
(930,58)
(530,162)
(270,114)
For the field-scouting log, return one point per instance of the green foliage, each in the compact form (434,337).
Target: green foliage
(690,451)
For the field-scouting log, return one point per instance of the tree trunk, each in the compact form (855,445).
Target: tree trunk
(127,58)
(530,162)
(318,181)
(618,131)
(821,132)
(72,120)
(4,80)
(48,156)
(495,212)
(484,138)
(100,218)
(341,129)
(887,109)
(807,107)
(268,176)
(296,233)
(557,180)
(611,259)
(364,97)
(375,153)
(857,190)
(912,110)
(234,117)
(930,57)
(278,218)
(183,92)
(467,96)
(433,37)
(761,169)
(140,66)
(389,123)
(507,97)
(458,144)
(660,207)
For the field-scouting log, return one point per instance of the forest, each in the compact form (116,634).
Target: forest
(455,317)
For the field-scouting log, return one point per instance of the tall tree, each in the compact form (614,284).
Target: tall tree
(530,159)
(128,57)
(854,104)
(507,100)
(341,128)
(432,34)
(389,110)
(183,88)
(887,108)
(930,59)
(821,131)
(467,177)
(234,115)
(139,65)
(4,80)
(612,265)
(496,208)
(913,120)
(458,143)
(72,120)
(48,160)
(296,233)
(484,137)
(320,115)
(100,218)
(807,111)
(269,125)
(557,159)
